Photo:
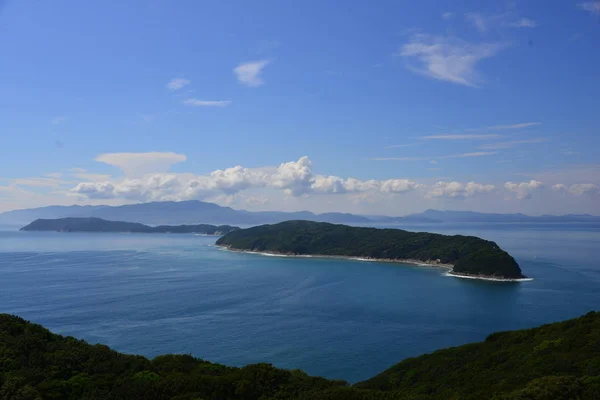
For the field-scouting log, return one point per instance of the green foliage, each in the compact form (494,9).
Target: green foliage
(469,255)
(73,224)
(552,362)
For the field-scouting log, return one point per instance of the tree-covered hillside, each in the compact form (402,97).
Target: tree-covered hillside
(102,225)
(558,361)
(469,255)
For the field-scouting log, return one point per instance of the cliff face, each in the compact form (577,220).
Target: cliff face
(102,225)
(469,255)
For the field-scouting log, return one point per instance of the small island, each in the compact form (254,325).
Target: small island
(102,225)
(465,256)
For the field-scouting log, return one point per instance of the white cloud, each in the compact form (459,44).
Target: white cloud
(295,178)
(510,144)
(399,186)
(249,73)
(524,23)
(462,137)
(55,175)
(95,190)
(458,189)
(591,6)
(579,189)
(177,83)
(206,103)
(447,15)
(514,126)
(447,59)
(137,164)
(523,190)
(59,120)
(478,20)
(462,155)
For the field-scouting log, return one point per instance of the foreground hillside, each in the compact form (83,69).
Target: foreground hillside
(552,362)
(102,225)
(468,254)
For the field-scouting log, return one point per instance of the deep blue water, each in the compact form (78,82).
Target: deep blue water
(153,294)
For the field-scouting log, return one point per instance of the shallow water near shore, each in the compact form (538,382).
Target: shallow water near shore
(153,293)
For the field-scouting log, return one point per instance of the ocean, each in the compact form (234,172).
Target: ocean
(151,294)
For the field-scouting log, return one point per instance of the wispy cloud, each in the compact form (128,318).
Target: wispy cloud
(397,146)
(447,59)
(39,182)
(59,120)
(249,73)
(478,20)
(206,103)
(510,144)
(591,6)
(524,23)
(514,126)
(177,83)
(462,137)
(137,164)
(473,154)
(462,155)
(447,15)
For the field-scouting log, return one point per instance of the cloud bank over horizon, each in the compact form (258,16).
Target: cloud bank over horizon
(294,185)
(297,182)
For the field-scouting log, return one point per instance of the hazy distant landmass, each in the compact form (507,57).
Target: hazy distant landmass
(102,225)
(199,212)
(554,361)
(468,255)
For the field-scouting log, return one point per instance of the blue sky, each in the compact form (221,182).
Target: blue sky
(388,107)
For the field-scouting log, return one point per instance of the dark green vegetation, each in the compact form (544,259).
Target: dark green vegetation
(469,255)
(552,362)
(102,225)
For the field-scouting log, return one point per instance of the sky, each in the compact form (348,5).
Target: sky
(387,107)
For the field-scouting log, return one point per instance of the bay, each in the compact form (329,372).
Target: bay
(152,294)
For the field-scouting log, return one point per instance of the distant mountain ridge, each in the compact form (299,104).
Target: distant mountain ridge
(199,212)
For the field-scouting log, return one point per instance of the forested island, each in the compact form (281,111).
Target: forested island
(102,225)
(468,256)
(555,361)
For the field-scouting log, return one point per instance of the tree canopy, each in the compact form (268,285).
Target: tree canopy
(551,362)
(470,255)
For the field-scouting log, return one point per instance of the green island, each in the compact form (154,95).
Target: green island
(467,256)
(552,362)
(101,225)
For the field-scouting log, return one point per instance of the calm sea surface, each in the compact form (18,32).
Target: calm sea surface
(152,294)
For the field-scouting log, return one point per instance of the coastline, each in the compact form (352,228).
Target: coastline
(409,261)
(486,278)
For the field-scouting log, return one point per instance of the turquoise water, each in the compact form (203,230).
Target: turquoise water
(153,294)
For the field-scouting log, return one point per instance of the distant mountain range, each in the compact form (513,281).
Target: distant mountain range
(199,212)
